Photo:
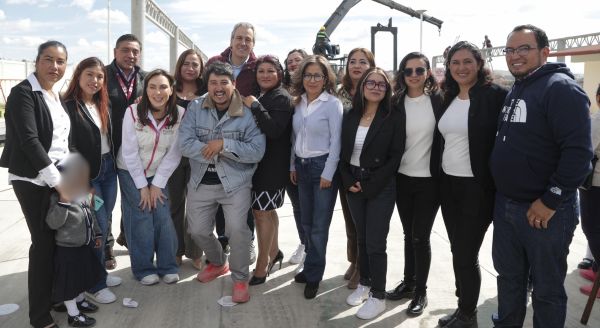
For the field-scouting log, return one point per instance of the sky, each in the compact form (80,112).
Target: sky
(282,25)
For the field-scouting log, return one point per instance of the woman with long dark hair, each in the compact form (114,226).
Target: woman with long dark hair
(148,156)
(189,85)
(471,104)
(37,137)
(418,102)
(359,61)
(371,151)
(86,100)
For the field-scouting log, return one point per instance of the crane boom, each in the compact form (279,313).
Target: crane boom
(340,12)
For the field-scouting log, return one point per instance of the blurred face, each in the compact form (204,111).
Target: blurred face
(525,57)
(220,90)
(374,88)
(312,73)
(91,80)
(464,68)
(159,90)
(415,74)
(51,65)
(190,70)
(127,55)
(358,64)
(266,76)
(242,42)
(293,61)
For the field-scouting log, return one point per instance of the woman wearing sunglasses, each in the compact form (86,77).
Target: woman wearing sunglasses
(370,155)
(418,103)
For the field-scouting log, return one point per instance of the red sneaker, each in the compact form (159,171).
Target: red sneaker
(212,272)
(587,290)
(240,292)
(588,274)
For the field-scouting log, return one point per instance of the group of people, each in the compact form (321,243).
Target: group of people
(218,145)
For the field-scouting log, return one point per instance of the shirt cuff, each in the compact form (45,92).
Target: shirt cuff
(552,197)
(50,175)
(140,182)
(159,181)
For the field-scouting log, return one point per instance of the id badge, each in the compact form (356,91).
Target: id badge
(98,202)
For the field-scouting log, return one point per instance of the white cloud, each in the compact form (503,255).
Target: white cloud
(23,41)
(157,37)
(2,15)
(40,3)
(84,4)
(23,24)
(116,16)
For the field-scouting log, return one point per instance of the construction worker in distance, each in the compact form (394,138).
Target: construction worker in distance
(322,44)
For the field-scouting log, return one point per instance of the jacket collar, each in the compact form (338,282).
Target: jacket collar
(324,96)
(36,86)
(236,107)
(249,64)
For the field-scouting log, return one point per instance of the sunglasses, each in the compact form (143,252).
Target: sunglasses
(419,70)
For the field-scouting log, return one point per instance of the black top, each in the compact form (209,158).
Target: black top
(381,152)
(29,131)
(274,118)
(435,161)
(119,101)
(87,138)
(183,102)
(211,177)
(486,101)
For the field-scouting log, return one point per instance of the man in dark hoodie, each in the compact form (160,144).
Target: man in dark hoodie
(542,153)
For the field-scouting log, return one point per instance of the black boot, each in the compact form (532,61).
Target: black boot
(404,290)
(311,289)
(462,320)
(417,305)
(447,318)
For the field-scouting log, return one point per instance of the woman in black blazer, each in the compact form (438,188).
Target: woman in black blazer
(273,114)
(369,159)
(471,104)
(417,182)
(37,137)
(86,100)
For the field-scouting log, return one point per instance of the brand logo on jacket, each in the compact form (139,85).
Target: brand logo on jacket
(556,191)
(519,113)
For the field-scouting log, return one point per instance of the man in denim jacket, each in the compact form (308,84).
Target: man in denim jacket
(224,144)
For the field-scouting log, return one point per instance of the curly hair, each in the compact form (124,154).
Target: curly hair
(400,87)
(298,77)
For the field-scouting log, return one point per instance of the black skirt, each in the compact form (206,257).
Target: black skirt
(76,269)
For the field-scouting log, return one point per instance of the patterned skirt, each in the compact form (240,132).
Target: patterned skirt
(268,200)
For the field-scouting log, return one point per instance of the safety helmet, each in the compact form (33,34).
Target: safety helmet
(322,29)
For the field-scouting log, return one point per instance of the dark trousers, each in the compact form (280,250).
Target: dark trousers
(418,201)
(590,218)
(177,187)
(351,243)
(372,220)
(292,192)
(519,251)
(467,211)
(35,201)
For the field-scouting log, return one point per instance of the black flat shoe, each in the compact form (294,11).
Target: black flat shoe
(257,280)
(417,305)
(443,321)
(462,320)
(86,306)
(278,258)
(403,290)
(310,290)
(300,278)
(81,320)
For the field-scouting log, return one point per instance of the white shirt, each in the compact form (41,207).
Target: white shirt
(104,146)
(359,141)
(305,109)
(420,125)
(454,126)
(59,148)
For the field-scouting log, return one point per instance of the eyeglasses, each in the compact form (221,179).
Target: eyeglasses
(419,70)
(314,77)
(371,85)
(521,51)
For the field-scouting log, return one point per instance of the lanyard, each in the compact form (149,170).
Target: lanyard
(127,91)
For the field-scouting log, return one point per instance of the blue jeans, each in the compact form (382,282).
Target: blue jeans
(105,187)
(519,249)
(147,232)
(316,206)
(292,192)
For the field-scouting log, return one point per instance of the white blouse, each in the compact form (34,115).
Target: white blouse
(359,141)
(420,124)
(95,113)
(454,126)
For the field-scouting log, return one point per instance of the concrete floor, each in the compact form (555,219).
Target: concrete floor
(279,302)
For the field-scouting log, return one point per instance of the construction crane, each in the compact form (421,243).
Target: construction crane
(341,11)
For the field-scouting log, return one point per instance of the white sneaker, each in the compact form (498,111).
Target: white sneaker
(150,279)
(171,278)
(298,255)
(372,308)
(358,296)
(113,281)
(104,296)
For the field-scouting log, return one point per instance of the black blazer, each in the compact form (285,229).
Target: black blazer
(274,118)
(119,102)
(87,139)
(435,161)
(487,101)
(381,153)
(29,131)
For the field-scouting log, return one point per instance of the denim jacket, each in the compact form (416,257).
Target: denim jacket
(243,142)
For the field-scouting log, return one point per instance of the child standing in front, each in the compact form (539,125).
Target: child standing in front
(76,267)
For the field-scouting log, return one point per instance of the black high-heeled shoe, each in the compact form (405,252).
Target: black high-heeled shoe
(257,280)
(278,258)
